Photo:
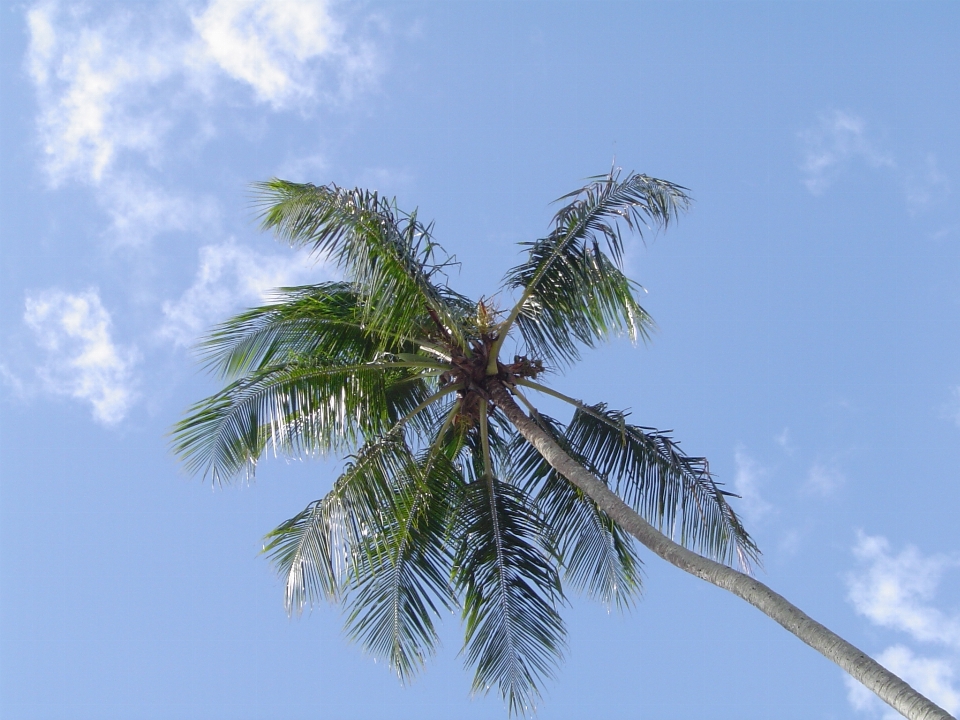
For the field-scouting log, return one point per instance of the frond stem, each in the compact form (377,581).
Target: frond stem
(516,393)
(443,429)
(426,403)
(557,394)
(485,441)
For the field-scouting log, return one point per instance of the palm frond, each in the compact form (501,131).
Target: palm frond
(313,550)
(298,409)
(671,490)
(597,556)
(323,320)
(404,569)
(573,290)
(388,255)
(514,635)
(586,299)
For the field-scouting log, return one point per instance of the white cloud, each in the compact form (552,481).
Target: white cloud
(117,82)
(230,277)
(94,88)
(824,480)
(82,359)
(139,210)
(894,591)
(746,483)
(931,677)
(268,44)
(838,139)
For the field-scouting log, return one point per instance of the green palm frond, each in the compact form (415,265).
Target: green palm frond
(378,540)
(386,254)
(313,551)
(298,409)
(501,439)
(444,503)
(514,635)
(573,289)
(586,299)
(597,556)
(404,568)
(671,490)
(322,320)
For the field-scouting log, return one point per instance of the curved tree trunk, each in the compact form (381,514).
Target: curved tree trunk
(890,688)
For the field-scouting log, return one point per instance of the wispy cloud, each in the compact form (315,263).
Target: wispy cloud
(926,186)
(896,592)
(12,381)
(838,140)
(785,441)
(268,44)
(96,88)
(139,210)
(82,359)
(229,277)
(824,480)
(746,483)
(117,82)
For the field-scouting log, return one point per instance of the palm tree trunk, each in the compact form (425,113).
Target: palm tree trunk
(890,688)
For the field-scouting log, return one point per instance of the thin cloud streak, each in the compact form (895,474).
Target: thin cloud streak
(139,210)
(824,480)
(926,186)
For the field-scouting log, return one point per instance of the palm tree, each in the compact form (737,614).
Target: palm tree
(458,492)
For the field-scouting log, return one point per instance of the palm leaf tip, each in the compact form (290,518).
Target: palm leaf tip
(514,636)
(574,289)
(401,579)
(671,490)
(387,254)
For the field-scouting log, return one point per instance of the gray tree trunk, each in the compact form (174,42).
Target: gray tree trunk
(890,688)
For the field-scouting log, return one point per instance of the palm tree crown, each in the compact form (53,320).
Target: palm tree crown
(443,502)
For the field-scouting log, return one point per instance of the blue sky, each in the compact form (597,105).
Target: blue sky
(808,309)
